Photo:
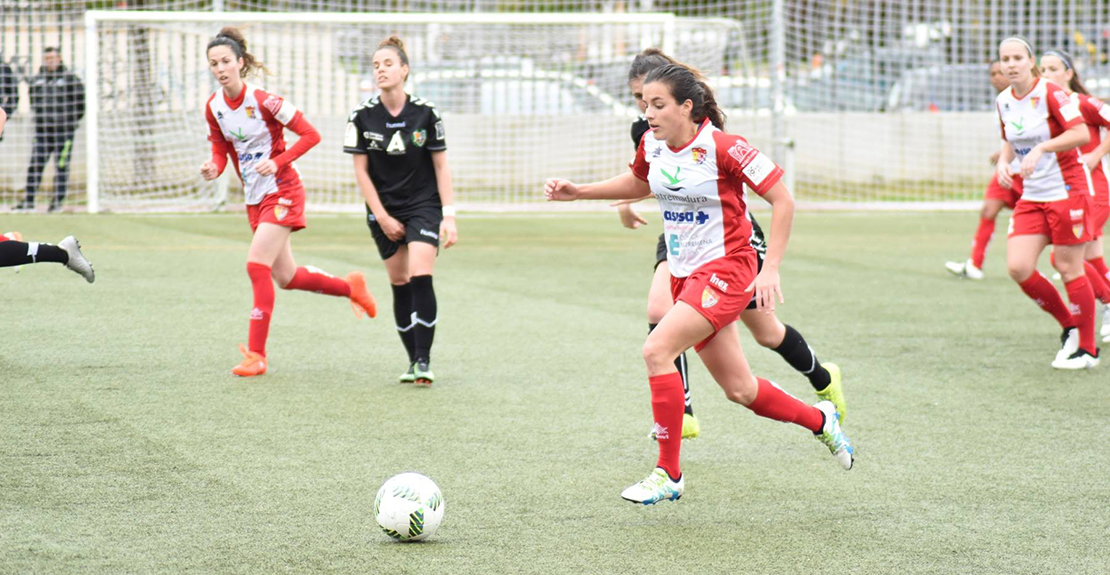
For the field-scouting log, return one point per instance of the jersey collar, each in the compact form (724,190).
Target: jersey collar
(1036,81)
(238,101)
(704,123)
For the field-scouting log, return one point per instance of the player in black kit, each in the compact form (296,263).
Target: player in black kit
(765,327)
(400,157)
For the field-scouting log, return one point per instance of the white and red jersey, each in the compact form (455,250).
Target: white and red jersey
(1042,114)
(700,188)
(1097,117)
(251,129)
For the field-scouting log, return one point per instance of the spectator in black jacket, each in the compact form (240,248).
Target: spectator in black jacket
(9,91)
(58,100)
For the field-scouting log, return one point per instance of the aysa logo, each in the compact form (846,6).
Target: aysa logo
(699,217)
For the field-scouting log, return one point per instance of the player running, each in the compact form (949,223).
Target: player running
(400,159)
(697,172)
(248,123)
(995,198)
(1056,67)
(15,252)
(1043,129)
(764,326)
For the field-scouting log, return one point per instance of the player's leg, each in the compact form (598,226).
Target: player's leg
(786,341)
(1095,259)
(396,259)
(680,329)
(422,257)
(1070,262)
(659,303)
(63,147)
(1022,252)
(68,253)
(988,213)
(290,276)
(268,243)
(724,358)
(40,155)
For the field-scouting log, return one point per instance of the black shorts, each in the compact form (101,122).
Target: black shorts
(421,225)
(661,256)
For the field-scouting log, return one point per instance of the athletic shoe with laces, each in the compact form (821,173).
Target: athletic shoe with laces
(77,261)
(1105,332)
(253,363)
(1081,359)
(422,374)
(834,392)
(834,438)
(14,236)
(1069,344)
(410,375)
(655,488)
(964,270)
(361,300)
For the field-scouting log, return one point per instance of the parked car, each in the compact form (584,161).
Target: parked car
(949,88)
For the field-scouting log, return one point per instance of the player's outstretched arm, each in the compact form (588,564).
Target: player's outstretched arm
(448,232)
(622,187)
(766,284)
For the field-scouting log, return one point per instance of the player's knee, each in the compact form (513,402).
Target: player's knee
(1019,271)
(767,338)
(742,394)
(656,355)
(989,212)
(657,309)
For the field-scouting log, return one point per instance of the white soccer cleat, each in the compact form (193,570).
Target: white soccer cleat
(77,261)
(1081,359)
(1069,344)
(964,270)
(655,488)
(833,437)
(1105,333)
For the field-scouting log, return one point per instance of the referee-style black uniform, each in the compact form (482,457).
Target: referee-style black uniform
(400,153)
(399,149)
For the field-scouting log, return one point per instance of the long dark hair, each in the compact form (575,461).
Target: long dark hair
(686,84)
(233,38)
(646,61)
(1075,84)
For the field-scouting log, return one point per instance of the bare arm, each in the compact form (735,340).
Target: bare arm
(624,186)
(392,228)
(448,233)
(1073,137)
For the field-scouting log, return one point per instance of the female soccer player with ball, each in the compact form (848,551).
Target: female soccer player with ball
(400,157)
(995,198)
(1043,128)
(764,326)
(248,123)
(697,172)
(1057,67)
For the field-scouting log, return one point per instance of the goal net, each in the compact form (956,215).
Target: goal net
(524,97)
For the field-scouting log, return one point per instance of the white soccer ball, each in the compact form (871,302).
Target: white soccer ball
(409,507)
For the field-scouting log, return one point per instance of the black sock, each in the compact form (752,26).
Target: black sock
(402,314)
(23,253)
(424,316)
(680,365)
(797,353)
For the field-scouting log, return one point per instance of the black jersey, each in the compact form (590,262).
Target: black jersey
(640,127)
(399,150)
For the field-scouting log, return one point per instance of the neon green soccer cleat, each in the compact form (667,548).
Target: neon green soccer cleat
(410,375)
(690,427)
(655,488)
(834,392)
(422,373)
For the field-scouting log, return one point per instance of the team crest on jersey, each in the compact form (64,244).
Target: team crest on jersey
(698,155)
(1034,101)
(280,212)
(1077,230)
(742,152)
(250,111)
(419,137)
(709,298)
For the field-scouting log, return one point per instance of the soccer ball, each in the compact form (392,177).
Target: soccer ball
(409,507)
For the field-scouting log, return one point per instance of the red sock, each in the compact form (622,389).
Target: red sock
(668,403)
(979,244)
(1081,296)
(317,280)
(263,287)
(1041,291)
(1100,265)
(1097,278)
(774,403)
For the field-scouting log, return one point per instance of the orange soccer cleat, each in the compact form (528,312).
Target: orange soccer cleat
(361,300)
(253,363)
(13,236)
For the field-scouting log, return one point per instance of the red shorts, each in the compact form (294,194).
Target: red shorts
(283,207)
(1066,222)
(995,191)
(1100,215)
(716,289)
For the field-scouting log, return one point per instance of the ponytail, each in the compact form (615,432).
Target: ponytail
(233,38)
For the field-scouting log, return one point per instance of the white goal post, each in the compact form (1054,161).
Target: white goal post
(524,95)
